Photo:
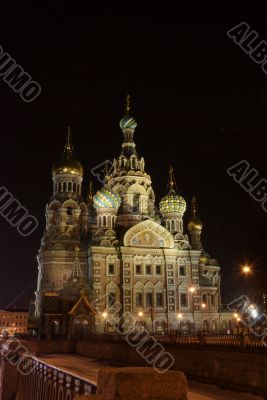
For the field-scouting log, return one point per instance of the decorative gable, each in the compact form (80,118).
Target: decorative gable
(82,306)
(148,234)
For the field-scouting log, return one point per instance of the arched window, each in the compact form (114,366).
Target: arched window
(224,325)
(212,300)
(204,299)
(69,215)
(136,202)
(104,221)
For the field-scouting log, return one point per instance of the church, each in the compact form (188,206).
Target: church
(119,247)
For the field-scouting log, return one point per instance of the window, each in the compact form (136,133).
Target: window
(182,270)
(148,269)
(212,299)
(159,300)
(111,269)
(136,205)
(111,299)
(158,269)
(204,299)
(139,299)
(183,299)
(149,299)
(138,269)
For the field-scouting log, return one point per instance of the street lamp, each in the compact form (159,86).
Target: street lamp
(179,317)
(246,269)
(140,319)
(105,315)
(192,290)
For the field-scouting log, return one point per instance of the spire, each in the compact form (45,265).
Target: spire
(194,210)
(90,193)
(68,149)
(128,108)
(172,181)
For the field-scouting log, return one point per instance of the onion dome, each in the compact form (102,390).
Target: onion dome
(128,122)
(204,258)
(194,222)
(172,202)
(68,164)
(107,198)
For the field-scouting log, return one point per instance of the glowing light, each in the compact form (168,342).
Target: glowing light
(192,289)
(203,305)
(105,314)
(140,314)
(238,319)
(236,315)
(246,269)
(180,315)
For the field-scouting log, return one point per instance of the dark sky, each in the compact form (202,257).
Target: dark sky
(200,103)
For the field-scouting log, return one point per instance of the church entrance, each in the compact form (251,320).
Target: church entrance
(82,327)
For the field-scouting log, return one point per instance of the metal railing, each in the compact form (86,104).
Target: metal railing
(231,340)
(39,381)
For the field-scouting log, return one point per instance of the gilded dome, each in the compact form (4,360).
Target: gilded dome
(107,198)
(194,223)
(172,203)
(68,164)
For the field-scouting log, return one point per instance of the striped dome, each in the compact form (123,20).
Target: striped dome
(107,198)
(172,203)
(128,122)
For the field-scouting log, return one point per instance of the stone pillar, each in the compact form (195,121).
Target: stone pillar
(139,383)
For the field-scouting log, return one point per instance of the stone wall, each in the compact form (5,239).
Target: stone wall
(239,369)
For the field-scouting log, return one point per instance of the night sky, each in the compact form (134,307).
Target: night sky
(200,103)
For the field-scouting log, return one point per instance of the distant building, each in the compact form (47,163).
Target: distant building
(13,321)
(120,247)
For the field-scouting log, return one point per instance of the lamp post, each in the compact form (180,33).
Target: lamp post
(192,290)
(105,315)
(179,317)
(140,319)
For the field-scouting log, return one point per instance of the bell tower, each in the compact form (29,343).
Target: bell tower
(66,225)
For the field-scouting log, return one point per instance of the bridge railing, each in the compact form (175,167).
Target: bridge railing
(233,340)
(39,381)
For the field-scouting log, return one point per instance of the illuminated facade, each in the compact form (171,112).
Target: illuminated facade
(13,322)
(119,247)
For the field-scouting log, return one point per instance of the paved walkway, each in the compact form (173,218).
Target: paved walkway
(87,369)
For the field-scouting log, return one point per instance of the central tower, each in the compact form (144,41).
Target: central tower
(129,178)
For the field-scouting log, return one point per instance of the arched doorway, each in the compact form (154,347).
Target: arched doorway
(205,325)
(55,329)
